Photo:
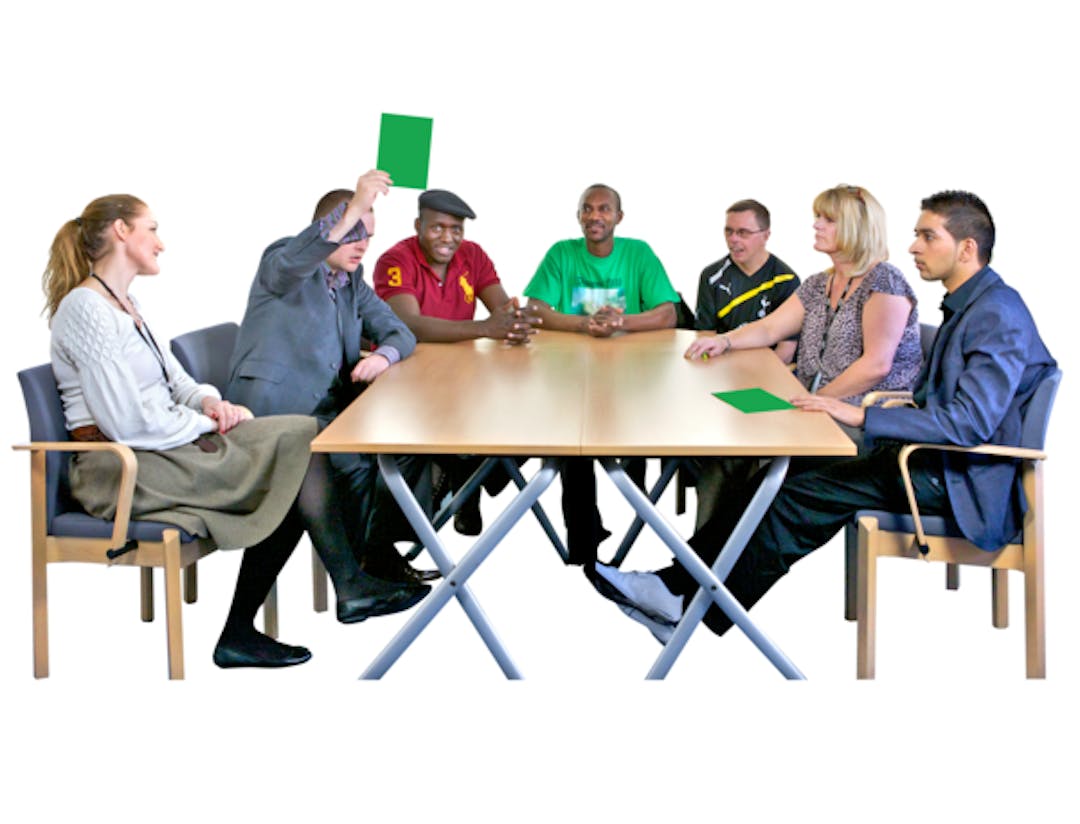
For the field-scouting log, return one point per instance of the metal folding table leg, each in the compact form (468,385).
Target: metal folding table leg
(455,576)
(515,475)
(712,590)
(667,472)
(451,508)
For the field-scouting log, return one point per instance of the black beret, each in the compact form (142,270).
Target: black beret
(440,200)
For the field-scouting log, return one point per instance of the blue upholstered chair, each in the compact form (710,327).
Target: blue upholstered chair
(927,333)
(205,355)
(61,531)
(909,535)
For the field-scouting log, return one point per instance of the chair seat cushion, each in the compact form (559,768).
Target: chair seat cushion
(903,522)
(81,525)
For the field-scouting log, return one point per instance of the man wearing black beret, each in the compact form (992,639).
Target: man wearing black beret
(433,280)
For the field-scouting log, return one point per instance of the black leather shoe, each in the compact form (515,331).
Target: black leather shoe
(394,598)
(468,522)
(262,651)
(390,566)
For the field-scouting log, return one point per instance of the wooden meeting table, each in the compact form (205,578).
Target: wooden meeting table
(565,395)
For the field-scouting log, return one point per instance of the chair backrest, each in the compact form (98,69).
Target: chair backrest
(205,353)
(927,333)
(1037,414)
(47,423)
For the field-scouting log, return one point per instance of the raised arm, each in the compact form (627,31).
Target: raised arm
(287,264)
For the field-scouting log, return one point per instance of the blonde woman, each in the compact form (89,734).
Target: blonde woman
(857,321)
(857,324)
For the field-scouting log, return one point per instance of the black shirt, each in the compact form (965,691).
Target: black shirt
(727,298)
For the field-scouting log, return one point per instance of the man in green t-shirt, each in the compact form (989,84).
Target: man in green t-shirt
(598,285)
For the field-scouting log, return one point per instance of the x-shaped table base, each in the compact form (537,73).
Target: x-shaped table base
(712,590)
(455,575)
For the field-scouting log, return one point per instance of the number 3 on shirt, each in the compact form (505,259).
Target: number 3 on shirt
(393,275)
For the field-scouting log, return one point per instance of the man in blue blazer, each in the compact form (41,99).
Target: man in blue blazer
(985,364)
(298,352)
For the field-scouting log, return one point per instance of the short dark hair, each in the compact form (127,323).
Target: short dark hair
(760,212)
(605,187)
(966,216)
(330,201)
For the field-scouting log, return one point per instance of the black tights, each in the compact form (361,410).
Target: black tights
(315,510)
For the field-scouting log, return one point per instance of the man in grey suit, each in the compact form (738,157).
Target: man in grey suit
(299,352)
(985,364)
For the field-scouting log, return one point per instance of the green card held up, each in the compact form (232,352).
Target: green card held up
(405,149)
(753,400)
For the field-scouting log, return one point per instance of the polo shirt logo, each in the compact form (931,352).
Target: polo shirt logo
(466,288)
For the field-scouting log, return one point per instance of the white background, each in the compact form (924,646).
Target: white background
(230,121)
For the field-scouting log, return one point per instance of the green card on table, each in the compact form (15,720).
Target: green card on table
(753,400)
(405,149)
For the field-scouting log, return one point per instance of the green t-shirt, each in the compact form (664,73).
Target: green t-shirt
(574,282)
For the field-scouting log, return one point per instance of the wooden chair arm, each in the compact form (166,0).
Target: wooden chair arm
(128,469)
(984,449)
(887,398)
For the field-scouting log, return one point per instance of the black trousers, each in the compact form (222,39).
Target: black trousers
(809,509)
(584,527)
(459,468)
(375,521)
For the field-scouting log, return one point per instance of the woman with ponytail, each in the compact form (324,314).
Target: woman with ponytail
(204,464)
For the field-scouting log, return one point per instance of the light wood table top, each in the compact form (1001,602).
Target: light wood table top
(568,394)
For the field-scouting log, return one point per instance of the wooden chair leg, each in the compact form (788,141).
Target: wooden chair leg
(173,606)
(866,601)
(851,566)
(41,616)
(146,593)
(999,597)
(39,566)
(270,612)
(191,583)
(1034,592)
(952,576)
(680,493)
(318,582)
(1035,619)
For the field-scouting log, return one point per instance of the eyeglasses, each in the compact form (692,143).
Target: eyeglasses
(741,234)
(857,191)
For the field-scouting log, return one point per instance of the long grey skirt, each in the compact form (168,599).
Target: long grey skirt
(236,496)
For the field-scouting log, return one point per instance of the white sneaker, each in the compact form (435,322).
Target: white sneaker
(661,632)
(643,591)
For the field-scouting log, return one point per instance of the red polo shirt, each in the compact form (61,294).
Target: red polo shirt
(403,270)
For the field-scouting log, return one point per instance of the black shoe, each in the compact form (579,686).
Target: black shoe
(468,522)
(388,565)
(440,486)
(383,598)
(258,651)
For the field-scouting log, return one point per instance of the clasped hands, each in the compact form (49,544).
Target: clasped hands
(226,415)
(604,322)
(512,323)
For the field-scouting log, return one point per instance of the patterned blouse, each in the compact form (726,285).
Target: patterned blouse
(831,346)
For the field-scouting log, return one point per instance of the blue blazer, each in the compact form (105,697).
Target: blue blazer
(296,339)
(984,366)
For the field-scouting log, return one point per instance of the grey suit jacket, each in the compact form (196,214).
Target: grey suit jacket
(296,341)
(984,366)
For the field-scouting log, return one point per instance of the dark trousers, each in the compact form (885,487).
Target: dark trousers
(375,521)
(459,468)
(584,527)
(809,509)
